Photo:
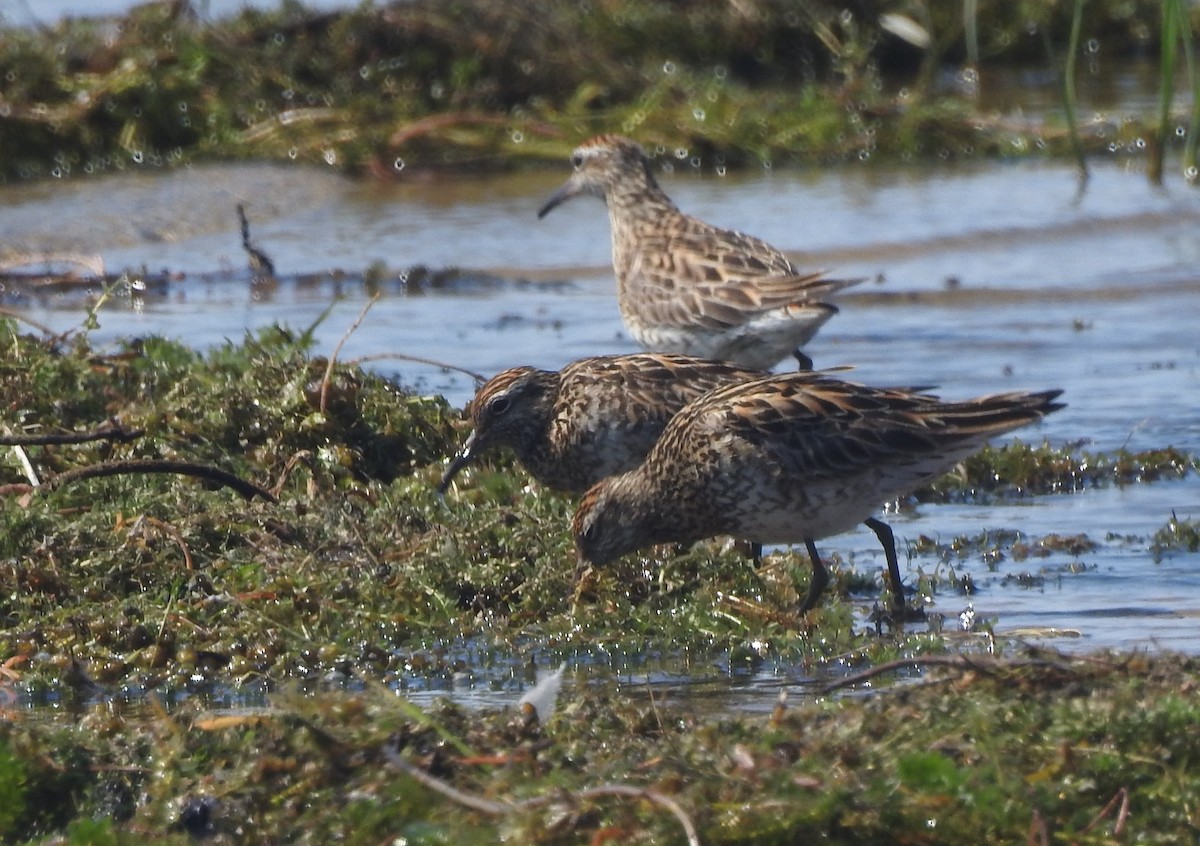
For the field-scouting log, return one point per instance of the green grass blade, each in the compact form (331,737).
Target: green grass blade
(1190,170)
(1068,89)
(1171,14)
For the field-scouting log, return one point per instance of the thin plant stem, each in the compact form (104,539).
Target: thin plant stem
(971,31)
(1171,14)
(1193,136)
(1068,90)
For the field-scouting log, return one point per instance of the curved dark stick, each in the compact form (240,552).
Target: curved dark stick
(112,433)
(247,490)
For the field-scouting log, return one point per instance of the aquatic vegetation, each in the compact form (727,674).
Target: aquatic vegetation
(971,746)
(124,595)
(486,84)
(348,558)
(1178,535)
(1018,469)
(1177,32)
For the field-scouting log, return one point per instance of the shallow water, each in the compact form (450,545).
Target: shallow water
(983,277)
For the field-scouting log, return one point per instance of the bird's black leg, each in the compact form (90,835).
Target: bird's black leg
(820,578)
(884,532)
(806,363)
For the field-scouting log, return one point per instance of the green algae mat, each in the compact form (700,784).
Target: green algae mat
(233,565)
(388,88)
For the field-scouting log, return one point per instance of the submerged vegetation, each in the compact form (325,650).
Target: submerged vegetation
(1031,750)
(338,579)
(434,84)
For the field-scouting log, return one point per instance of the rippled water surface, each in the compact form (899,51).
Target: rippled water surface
(982,278)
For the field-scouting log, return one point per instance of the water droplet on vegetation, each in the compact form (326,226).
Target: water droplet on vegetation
(681,152)
(766,164)
(518,136)
(364,72)
(292,152)
(1093,45)
(720,170)
(138,156)
(1140,143)
(1180,131)
(695,162)
(278,38)
(698,114)
(668,67)
(1191,173)
(720,72)
(330,157)
(398,164)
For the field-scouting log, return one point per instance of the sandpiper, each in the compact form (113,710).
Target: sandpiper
(594,418)
(791,458)
(687,286)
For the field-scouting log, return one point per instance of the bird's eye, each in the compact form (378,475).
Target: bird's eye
(501,405)
(577,161)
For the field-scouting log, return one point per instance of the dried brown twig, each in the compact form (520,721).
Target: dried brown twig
(478,377)
(112,432)
(16,315)
(168,530)
(496,809)
(1121,798)
(328,377)
(966,663)
(247,490)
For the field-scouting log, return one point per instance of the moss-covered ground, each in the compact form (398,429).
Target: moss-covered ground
(136,605)
(493,83)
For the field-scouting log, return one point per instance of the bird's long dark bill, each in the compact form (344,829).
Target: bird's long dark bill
(461,460)
(557,199)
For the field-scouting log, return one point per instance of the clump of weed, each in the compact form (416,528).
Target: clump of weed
(1178,535)
(1019,469)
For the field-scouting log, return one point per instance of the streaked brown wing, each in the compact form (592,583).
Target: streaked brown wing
(653,386)
(810,425)
(683,279)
